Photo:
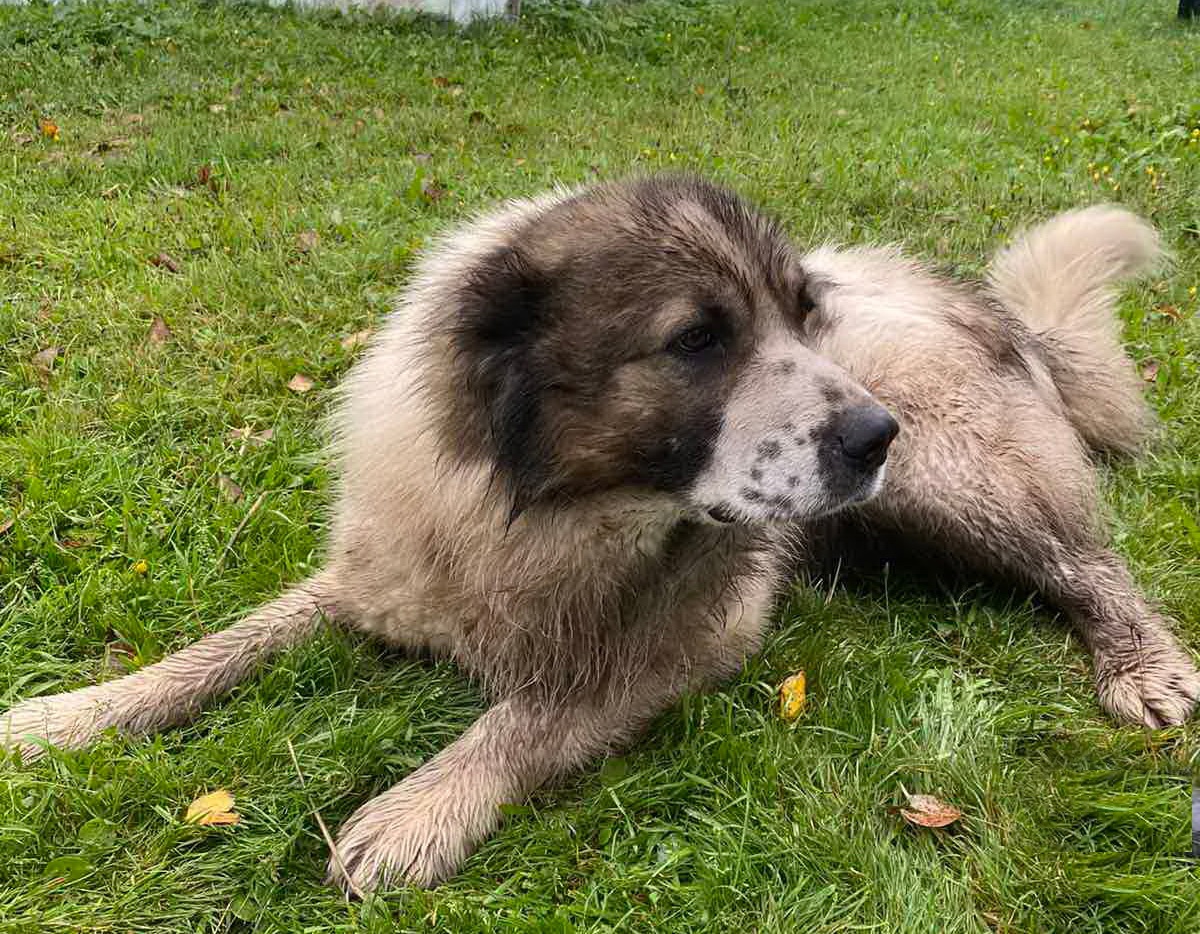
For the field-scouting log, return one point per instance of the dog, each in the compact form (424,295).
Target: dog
(581,457)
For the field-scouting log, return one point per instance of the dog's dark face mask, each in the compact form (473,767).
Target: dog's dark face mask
(651,336)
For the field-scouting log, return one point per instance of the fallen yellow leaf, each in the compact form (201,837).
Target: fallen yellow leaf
(792,696)
(212,810)
(49,129)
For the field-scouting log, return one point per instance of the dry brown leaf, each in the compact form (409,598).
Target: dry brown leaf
(159,333)
(1150,370)
(441,82)
(118,658)
(432,190)
(213,809)
(133,119)
(928,811)
(1170,311)
(254,439)
(229,489)
(23,139)
(793,696)
(301,383)
(357,339)
(307,240)
(109,145)
(6,525)
(49,129)
(44,360)
(165,261)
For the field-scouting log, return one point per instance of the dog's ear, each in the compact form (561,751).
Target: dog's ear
(503,318)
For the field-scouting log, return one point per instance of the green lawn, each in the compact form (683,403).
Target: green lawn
(291,167)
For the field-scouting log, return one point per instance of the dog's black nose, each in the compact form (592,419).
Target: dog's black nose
(865,433)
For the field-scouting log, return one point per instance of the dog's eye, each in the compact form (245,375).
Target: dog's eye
(804,303)
(695,340)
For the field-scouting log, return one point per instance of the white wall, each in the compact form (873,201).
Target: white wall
(460,10)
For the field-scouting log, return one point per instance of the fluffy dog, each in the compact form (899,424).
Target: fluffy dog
(577,457)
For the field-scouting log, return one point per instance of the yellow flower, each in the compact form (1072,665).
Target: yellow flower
(141,567)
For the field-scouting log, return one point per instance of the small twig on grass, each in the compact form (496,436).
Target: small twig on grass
(337,857)
(238,531)
(837,571)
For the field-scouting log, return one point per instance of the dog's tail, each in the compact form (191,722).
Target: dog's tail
(173,690)
(1059,278)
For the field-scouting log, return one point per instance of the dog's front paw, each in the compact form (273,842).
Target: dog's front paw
(414,834)
(1155,685)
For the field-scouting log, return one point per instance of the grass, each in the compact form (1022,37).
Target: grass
(226,135)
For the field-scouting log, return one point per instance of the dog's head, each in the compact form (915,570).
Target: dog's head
(652,335)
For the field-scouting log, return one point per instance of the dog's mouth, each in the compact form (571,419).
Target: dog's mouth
(784,512)
(722,515)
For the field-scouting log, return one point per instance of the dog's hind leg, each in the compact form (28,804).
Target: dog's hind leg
(1026,513)
(173,690)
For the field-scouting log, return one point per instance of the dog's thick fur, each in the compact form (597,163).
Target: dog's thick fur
(576,459)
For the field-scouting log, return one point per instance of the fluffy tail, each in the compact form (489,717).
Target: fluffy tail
(1060,277)
(173,690)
